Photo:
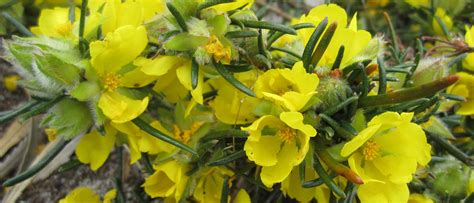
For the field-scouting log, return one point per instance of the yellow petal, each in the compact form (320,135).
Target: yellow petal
(165,179)
(170,86)
(242,197)
(359,140)
(118,14)
(136,78)
(383,192)
(94,148)
(110,196)
(121,109)
(81,195)
(119,48)
(277,173)
(263,152)
(160,65)
(184,75)
(295,121)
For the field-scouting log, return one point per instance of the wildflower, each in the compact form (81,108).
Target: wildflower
(291,89)
(419,198)
(109,56)
(374,157)
(81,194)
(468,62)
(168,181)
(464,87)
(10,82)
(278,144)
(353,40)
(231,106)
(441,14)
(55,23)
(210,184)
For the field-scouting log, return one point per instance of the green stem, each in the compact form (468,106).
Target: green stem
(408,94)
(327,179)
(451,149)
(267,25)
(9,115)
(340,106)
(335,125)
(20,27)
(82,24)
(228,158)
(49,156)
(382,76)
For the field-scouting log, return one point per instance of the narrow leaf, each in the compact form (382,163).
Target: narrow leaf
(155,133)
(37,167)
(267,25)
(323,44)
(194,73)
(308,50)
(232,80)
(179,18)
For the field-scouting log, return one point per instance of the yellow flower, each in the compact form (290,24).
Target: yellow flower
(210,183)
(374,156)
(354,40)
(464,87)
(81,195)
(174,77)
(419,198)
(231,106)
(10,82)
(169,180)
(94,148)
(55,23)
(109,56)
(468,62)
(419,3)
(373,191)
(224,7)
(441,13)
(278,144)
(48,3)
(291,89)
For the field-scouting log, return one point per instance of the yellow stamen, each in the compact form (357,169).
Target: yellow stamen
(64,29)
(218,50)
(111,81)
(287,134)
(370,150)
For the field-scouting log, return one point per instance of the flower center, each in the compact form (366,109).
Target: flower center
(185,136)
(371,150)
(217,49)
(111,81)
(64,29)
(287,134)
